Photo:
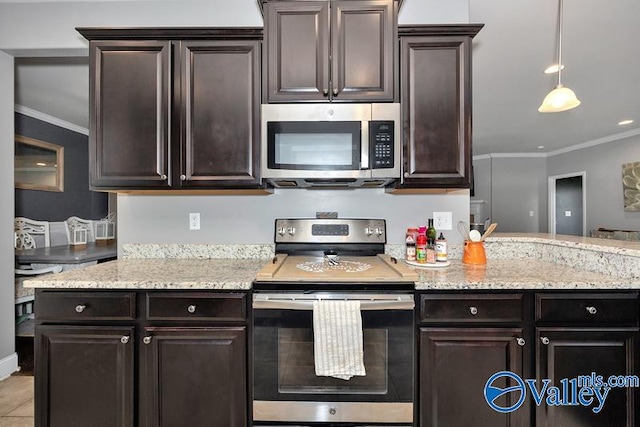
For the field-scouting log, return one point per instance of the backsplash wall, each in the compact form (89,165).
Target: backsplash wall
(250,219)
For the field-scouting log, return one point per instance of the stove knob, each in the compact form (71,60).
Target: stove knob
(368,231)
(282,231)
(379,231)
(292,231)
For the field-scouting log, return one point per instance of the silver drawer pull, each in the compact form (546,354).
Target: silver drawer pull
(191,309)
(544,340)
(592,310)
(521,342)
(473,310)
(80,308)
(146,340)
(124,339)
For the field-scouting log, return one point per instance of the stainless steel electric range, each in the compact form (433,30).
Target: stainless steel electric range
(329,260)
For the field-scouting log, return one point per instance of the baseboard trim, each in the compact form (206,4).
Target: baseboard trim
(8,365)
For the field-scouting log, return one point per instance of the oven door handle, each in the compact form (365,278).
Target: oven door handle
(274,304)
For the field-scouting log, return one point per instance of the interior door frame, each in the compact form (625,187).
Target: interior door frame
(552,200)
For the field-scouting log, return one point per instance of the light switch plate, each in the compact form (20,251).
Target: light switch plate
(567,213)
(442,221)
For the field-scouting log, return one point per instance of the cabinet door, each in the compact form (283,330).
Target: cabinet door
(570,353)
(297,57)
(220,114)
(84,376)
(130,114)
(194,377)
(436,107)
(363,38)
(455,365)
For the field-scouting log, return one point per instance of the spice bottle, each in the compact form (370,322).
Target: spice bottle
(421,245)
(410,241)
(431,252)
(441,249)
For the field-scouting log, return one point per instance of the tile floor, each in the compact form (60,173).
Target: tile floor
(16,401)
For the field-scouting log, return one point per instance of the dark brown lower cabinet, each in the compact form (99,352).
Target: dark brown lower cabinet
(194,377)
(84,376)
(141,359)
(565,354)
(455,364)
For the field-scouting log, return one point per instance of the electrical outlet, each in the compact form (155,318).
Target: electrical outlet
(194,221)
(531,213)
(442,221)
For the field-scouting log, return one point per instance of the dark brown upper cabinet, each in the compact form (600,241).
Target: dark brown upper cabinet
(341,50)
(174,108)
(435,64)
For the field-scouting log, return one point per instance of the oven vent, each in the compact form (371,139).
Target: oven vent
(374,183)
(285,183)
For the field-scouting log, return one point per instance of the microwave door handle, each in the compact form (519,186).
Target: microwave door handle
(308,305)
(364,145)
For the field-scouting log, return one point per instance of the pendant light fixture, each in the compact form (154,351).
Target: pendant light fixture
(561,98)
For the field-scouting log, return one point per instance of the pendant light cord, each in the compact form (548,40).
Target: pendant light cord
(559,42)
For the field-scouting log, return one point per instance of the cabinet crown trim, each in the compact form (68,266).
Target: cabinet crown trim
(440,30)
(171,33)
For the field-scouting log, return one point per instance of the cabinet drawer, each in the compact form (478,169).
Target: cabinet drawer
(471,308)
(196,306)
(587,308)
(94,305)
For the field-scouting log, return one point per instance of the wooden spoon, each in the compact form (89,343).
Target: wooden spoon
(489,231)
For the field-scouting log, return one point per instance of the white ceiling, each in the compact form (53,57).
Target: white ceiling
(601,54)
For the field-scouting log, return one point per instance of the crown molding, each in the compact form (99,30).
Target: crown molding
(50,119)
(576,147)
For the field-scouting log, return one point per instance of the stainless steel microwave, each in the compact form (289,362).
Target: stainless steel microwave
(330,145)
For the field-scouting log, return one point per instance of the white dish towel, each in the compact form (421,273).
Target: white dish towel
(337,332)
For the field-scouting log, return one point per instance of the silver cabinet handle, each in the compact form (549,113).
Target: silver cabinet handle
(183,177)
(146,340)
(80,308)
(406,174)
(124,339)
(191,309)
(592,310)
(325,92)
(163,176)
(335,92)
(521,342)
(473,310)
(544,340)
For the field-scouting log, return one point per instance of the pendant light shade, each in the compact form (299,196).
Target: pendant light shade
(561,98)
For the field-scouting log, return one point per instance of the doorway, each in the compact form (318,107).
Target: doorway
(567,204)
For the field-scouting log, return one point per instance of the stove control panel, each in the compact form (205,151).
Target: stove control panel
(330,231)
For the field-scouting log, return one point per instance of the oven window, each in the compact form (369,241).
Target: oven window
(313,145)
(284,368)
(296,368)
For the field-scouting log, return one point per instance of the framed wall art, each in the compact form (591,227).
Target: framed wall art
(631,186)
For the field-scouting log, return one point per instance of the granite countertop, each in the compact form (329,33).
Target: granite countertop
(227,274)
(514,274)
(514,261)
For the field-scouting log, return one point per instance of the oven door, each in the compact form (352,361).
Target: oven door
(285,386)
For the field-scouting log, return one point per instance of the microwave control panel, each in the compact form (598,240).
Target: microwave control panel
(381,144)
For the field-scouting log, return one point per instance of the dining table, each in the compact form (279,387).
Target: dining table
(67,254)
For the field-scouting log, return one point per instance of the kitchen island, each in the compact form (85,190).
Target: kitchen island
(148,328)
